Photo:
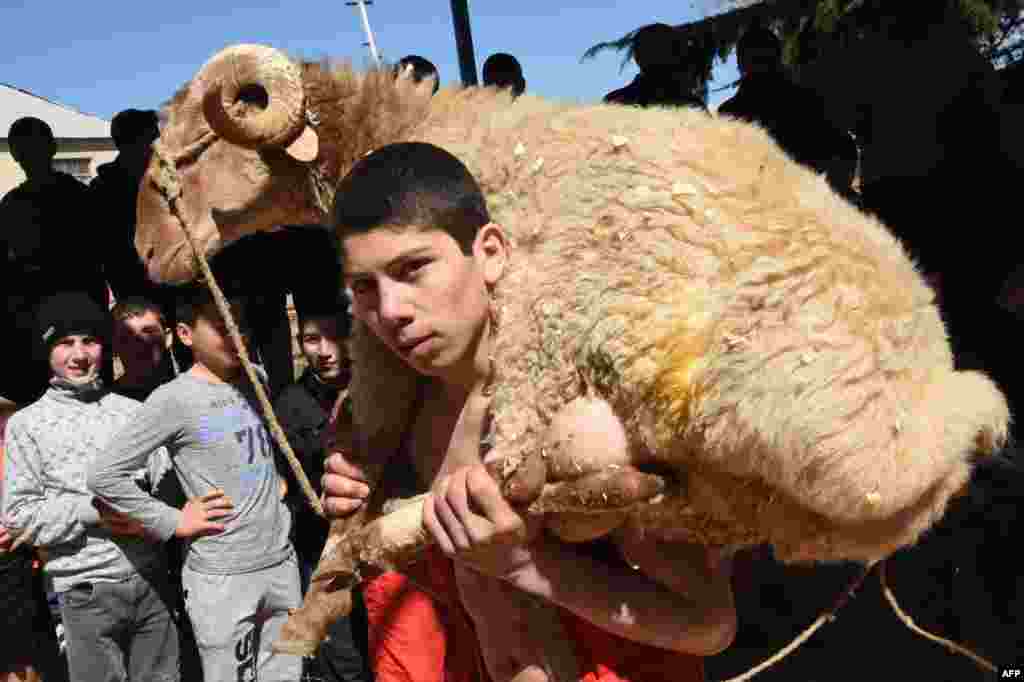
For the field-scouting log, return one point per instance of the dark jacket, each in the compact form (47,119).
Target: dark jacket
(794,116)
(645,91)
(303,409)
(49,241)
(113,193)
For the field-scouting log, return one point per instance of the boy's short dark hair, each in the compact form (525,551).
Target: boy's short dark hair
(29,126)
(131,124)
(188,302)
(503,70)
(421,68)
(410,184)
(191,299)
(338,312)
(136,306)
(28,130)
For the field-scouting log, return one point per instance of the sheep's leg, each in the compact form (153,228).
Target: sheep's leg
(398,539)
(323,604)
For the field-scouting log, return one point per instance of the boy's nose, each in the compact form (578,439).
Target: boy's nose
(392,309)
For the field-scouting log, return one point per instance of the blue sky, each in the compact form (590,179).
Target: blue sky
(102,57)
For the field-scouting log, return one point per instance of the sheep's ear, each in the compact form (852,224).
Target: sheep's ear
(306,146)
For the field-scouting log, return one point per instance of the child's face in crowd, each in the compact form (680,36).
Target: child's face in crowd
(76,358)
(139,341)
(421,295)
(211,342)
(324,350)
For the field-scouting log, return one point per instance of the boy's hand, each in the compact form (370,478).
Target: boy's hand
(345,487)
(198,513)
(473,522)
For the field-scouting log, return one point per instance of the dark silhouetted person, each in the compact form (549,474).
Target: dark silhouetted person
(421,68)
(503,71)
(305,408)
(667,76)
(51,242)
(926,104)
(794,116)
(114,191)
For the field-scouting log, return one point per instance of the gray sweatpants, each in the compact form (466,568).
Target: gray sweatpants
(237,618)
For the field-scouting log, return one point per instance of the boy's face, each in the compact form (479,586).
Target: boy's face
(139,342)
(324,350)
(421,295)
(210,341)
(76,358)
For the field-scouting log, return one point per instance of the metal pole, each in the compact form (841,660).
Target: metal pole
(370,42)
(464,41)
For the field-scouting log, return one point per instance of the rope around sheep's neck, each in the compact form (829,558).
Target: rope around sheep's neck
(167,182)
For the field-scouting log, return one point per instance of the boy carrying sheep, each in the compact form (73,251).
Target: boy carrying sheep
(420,256)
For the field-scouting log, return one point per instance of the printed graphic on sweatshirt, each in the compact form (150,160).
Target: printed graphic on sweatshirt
(255,452)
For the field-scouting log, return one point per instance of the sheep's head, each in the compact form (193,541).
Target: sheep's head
(238,143)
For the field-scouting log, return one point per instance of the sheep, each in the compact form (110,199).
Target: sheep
(764,341)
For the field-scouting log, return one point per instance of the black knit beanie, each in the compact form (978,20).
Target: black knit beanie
(70,313)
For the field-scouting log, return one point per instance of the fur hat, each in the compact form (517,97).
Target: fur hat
(69,313)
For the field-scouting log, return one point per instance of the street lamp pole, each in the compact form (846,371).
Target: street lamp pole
(370,42)
(464,41)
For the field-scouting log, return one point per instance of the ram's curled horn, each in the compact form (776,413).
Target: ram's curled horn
(254,98)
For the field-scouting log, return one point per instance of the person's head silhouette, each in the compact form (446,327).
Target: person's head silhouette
(502,70)
(32,146)
(134,128)
(658,50)
(421,68)
(134,131)
(759,52)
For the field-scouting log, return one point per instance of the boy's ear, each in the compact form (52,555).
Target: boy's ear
(491,248)
(184,334)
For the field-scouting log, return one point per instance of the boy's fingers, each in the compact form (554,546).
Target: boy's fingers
(442,498)
(217,513)
(212,495)
(485,494)
(435,527)
(336,485)
(220,503)
(337,465)
(341,506)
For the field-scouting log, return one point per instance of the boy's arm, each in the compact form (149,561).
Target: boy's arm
(111,476)
(44,517)
(686,608)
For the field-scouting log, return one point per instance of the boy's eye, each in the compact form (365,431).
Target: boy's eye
(411,268)
(360,287)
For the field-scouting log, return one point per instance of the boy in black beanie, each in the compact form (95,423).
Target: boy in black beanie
(111,579)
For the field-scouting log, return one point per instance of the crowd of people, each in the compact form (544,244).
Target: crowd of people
(151,528)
